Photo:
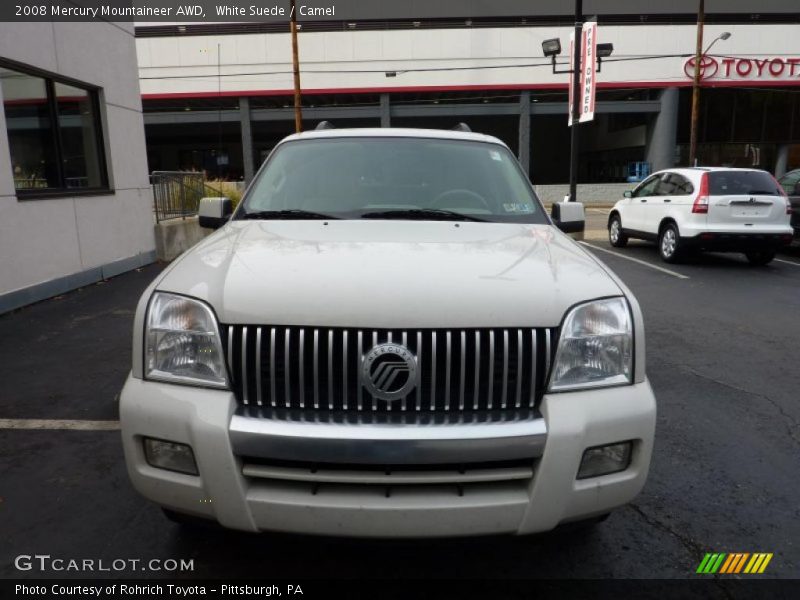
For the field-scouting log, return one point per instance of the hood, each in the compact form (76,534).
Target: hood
(389,274)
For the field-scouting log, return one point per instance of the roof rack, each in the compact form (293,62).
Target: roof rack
(324,125)
(462,127)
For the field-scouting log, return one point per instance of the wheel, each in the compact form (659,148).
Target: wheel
(584,525)
(616,237)
(760,257)
(184,520)
(669,244)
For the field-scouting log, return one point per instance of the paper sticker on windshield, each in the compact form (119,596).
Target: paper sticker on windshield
(495,155)
(514,207)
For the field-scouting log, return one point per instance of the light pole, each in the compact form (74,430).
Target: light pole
(576,99)
(298,110)
(698,54)
(699,59)
(696,91)
(552,48)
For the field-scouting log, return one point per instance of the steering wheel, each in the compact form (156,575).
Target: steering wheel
(473,200)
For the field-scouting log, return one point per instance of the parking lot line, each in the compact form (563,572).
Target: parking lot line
(59,424)
(788,262)
(636,260)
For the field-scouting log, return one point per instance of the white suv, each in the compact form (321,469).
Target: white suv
(389,337)
(705,208)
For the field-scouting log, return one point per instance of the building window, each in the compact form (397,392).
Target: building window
(54,135)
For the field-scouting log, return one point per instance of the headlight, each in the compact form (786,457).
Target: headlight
(596,347)
(182,342)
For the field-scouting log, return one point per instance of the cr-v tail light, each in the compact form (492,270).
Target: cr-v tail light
(784,194)
(700,205)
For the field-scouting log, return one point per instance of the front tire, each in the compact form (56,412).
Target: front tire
(616,237)
(669,244)
(760,258)
(584,526)
(189,522)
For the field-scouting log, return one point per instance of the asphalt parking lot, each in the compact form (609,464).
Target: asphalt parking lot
(721,357)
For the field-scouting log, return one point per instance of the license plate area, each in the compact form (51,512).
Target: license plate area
(749,212)
(750,209)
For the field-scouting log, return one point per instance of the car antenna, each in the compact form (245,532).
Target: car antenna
(324,125)
(462,127)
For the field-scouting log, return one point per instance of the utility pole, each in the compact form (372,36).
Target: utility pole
(698,58)
(298,110)
(576,98)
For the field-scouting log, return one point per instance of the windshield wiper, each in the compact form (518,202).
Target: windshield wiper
(762,193)
(287,214)
(421,214)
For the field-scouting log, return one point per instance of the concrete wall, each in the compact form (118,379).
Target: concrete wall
(588,193)
(49,246)
(176,236)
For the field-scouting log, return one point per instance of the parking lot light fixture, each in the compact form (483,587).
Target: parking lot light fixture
(603,51)
(722,36)
(551,47)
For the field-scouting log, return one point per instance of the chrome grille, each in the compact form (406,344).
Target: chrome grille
(459,370)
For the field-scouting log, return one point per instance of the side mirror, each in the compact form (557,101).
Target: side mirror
(569,217)
(213,213)
(628,194)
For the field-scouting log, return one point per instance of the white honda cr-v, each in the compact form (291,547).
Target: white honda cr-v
(705,208)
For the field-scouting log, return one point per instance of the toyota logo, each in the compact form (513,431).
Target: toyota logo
(708,67)
(389,371)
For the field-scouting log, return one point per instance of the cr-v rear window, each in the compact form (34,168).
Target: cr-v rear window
(742,183)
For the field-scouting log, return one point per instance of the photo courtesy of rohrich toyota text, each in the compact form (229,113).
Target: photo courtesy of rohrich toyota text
(379,299)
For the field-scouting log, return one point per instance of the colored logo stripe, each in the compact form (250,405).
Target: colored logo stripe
(758,563)
(710,564)
(723,563)
(735,562)
(727,564)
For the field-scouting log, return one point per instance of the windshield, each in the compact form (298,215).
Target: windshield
(742,183)
(393,178)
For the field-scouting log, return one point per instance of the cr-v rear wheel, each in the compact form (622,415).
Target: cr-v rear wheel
(669,244)
(760,257)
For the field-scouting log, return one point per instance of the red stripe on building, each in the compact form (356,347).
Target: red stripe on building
(470,88)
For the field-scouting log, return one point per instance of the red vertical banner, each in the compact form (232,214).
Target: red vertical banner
(588,71)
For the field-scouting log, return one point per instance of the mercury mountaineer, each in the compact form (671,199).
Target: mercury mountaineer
(388,336)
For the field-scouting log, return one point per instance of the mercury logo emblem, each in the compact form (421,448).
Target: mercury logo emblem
(389,371)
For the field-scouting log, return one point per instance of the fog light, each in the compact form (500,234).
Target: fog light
(602,460)
(170,456)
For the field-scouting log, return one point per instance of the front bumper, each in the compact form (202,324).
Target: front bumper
(224,441)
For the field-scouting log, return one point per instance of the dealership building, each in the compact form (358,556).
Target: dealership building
(82,127)
(218,97)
